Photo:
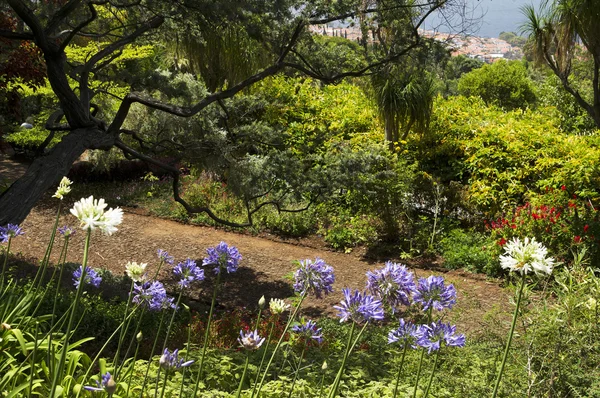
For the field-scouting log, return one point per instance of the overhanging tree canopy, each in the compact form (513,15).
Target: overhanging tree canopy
(280,27)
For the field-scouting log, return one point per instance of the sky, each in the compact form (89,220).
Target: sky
(496,16)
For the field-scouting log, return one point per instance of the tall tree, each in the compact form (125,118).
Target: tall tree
(281,26)
(557,31)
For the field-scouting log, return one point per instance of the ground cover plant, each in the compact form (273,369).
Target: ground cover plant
(391,339)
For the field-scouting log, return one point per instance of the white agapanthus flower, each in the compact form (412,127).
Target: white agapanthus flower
(90,212)
(137,272)
(278,306)
(64,187)
(526,256)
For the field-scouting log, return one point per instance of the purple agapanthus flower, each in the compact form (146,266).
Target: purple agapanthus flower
(188,272)
(393,284)
(164,256)
(359,307)
(91,277)
(171,360)
(314,277)
(152,295)
(433,336)
(106,384)
(309,331)
(250,340)
(433,293)
(10,231)
(66,231)
(223,257)
(406,335)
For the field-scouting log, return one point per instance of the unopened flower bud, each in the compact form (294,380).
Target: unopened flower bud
(262,302)
(111,386)
(139,337)
(324,366)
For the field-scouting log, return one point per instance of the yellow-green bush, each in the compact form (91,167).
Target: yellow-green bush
(506,156)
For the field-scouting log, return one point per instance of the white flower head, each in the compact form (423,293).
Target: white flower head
(526,256)
(90,212)
(64,187)
(137,272)
(278,306)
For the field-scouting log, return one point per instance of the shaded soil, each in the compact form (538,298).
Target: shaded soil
(266,267)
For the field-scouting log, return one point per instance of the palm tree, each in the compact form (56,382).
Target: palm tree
(556,32)
(404,99)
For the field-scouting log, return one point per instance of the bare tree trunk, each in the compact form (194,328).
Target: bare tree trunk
(45,172)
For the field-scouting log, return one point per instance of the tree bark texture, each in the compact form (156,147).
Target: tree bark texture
(18,200)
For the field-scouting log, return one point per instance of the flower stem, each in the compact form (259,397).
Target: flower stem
(135,333)
(164,384)
(322,382)
(262,361)
(239,390)
(50,246)
(137,348)
(35,346)
(437,354)
(400,369)
(510,336)
(162,317)
(5,261)
(287,326)
(103,348)
(297,372)
(419,372)
(60,274)
(168,333)
(187,353)
(207,333)
(124,329)
(65,348)
(349,349)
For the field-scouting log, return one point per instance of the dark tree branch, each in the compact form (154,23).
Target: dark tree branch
(314,20)
(78,28)
(60,15)
(84,90)
(27,15)
(108,61)
(176,174)
(11,35)
(187,111)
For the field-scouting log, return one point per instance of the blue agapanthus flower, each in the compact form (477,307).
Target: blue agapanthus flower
(359,307)
(433,336)
(152,295)
(66,231)
(188,272)
(393,284)
(309,331)
(314,277)
(223,257)
(106,384)
(432,292)
(171,360)
(405,335)
(10,231)
(250,340)
(164,256)
(91,277)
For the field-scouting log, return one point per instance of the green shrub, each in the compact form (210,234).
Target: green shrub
(470,250)
(345,231)
(505,156)
(503,83)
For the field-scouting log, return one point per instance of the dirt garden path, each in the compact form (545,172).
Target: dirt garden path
(265,268)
